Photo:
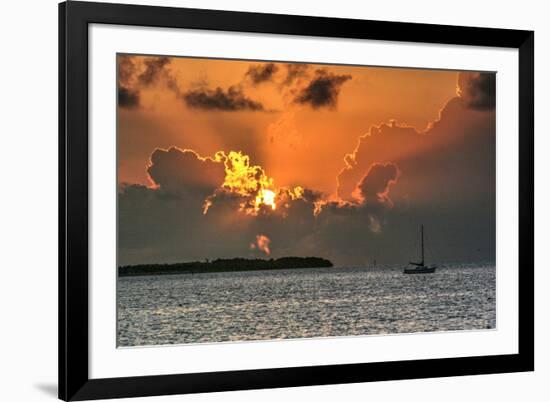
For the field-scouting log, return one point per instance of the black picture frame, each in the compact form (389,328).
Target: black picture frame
(74,381)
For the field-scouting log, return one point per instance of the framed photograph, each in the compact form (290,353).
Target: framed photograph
(258,201)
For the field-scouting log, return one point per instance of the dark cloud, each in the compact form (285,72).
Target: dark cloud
(478,90)
(126,69)
(154,70)
(322,90)
(183,171)
(134,76)
(446,181)
(459,147)
(231,100)
(136,233)
(128,98)
(295,72)
(375,185)
(312,196)
(158,226)
(261,72)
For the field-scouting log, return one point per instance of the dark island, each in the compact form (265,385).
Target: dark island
(224,265)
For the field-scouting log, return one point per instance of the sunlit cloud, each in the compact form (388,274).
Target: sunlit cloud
(262,243)
(251,183)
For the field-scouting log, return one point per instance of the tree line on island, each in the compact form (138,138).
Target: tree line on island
(224,265)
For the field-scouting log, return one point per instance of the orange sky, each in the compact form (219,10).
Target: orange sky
(342,162)
(296,144)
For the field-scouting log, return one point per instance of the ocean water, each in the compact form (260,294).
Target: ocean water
(304,303)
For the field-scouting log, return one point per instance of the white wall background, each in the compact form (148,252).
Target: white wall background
(28,200)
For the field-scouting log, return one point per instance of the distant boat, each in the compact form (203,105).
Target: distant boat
(420,267)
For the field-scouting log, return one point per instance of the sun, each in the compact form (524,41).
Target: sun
(265,197)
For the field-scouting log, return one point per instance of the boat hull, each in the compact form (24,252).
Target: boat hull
(419,270)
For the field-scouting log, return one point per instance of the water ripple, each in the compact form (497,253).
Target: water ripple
(261,305)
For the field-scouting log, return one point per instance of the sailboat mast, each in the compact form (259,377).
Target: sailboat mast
(422,241)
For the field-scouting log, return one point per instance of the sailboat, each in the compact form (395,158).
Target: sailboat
(420,267)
